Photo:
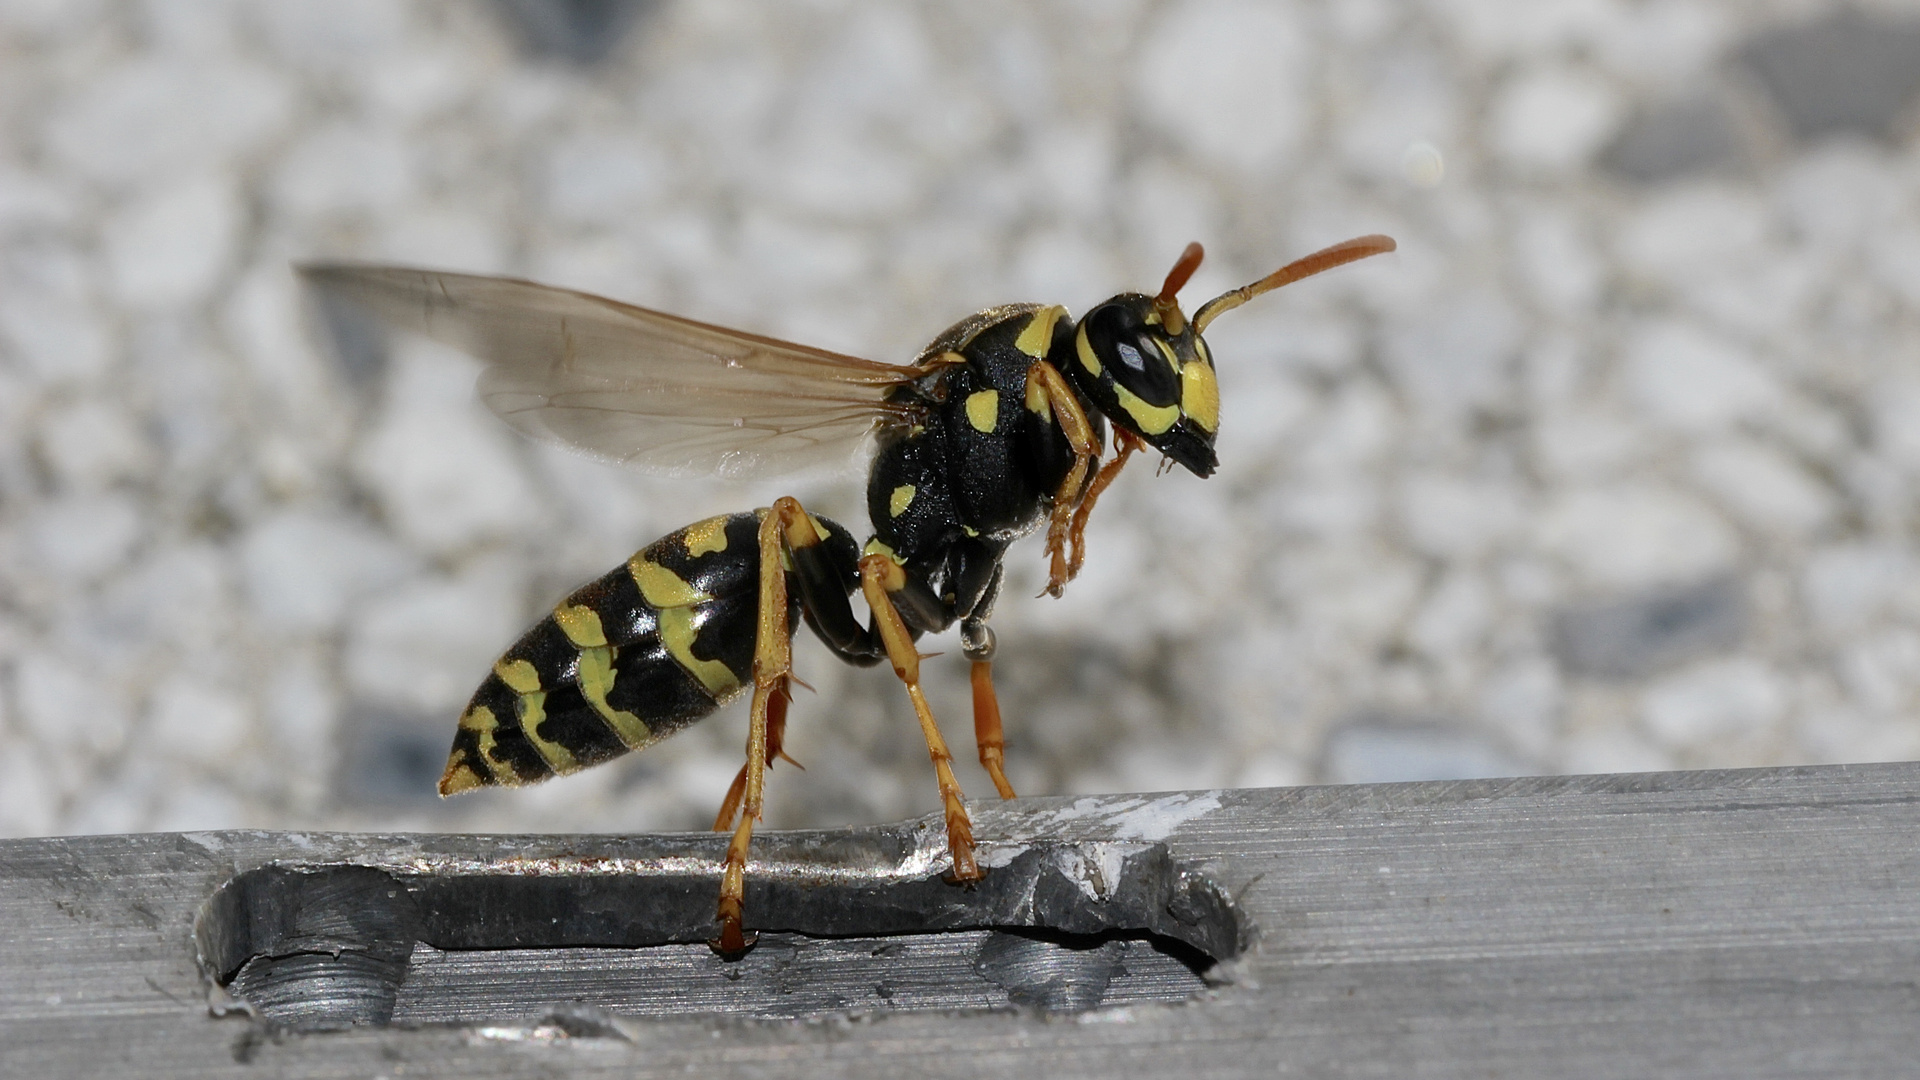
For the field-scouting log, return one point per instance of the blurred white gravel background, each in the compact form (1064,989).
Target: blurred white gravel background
(1613,467)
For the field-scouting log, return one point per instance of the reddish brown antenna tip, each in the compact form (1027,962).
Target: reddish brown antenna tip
(1183,269)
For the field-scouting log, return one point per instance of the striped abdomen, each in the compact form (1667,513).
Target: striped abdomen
(623,662)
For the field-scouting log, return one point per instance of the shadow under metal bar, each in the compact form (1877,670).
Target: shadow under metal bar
(1753,923)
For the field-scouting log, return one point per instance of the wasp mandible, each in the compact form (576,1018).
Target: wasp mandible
(996,428)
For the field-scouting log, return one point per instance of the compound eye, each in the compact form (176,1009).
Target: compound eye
(1123,341)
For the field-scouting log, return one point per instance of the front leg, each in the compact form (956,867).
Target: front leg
(1049,394)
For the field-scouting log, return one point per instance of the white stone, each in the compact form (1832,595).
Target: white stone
(328,33)
(1455,618)
(1358,592)
(81,537)
(1455,354)
(1558,263)
(344,167)
(1270,769)
(1894,252)
(1523,701)
(1843,193)
(1882,672)
(444,236)
(1894,408)
(156,117)
(1611,750)
(1693,228)
(29,799)
(1452,517)
(1635,533)
(201,807)
(1847,586)
(303,569)
(1586,442)
(1381,755)
(195,721)
(426,646)
(1405,100)
(91,444)
(444,469)
(30,200)
(170,246)
(1736,697)
(66,706)
(1693,380)
(1498,29)
(59,340)
(179,594)
(1229,79)
(1554,119)
(1764,487)
(595,177)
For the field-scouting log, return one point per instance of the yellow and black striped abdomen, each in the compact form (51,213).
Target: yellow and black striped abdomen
(622,663)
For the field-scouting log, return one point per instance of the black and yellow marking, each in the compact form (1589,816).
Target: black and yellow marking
(623,662)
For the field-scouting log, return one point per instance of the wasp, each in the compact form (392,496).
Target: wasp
(996,429)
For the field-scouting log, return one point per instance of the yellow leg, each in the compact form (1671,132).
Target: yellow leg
(1046,385)
(785,524)
(879,576)
(1126,442)
(986,727)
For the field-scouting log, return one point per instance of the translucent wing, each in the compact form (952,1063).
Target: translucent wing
(654,391)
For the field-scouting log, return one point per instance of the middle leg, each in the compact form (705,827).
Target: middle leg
(881,576)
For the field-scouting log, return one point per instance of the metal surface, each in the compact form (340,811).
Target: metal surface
(1750,924)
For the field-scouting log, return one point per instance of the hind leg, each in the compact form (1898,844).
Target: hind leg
(786,525)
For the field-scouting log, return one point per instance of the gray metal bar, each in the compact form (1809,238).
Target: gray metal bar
(1753,924)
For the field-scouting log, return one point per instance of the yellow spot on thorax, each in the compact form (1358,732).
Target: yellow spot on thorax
(901,498)
(875,547)
(1037,336)
(581,624)
(662,587)
(983,410)
(706,537)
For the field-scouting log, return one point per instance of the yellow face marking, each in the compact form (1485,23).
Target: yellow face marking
(596,682)
(901,498)
(970,530)
(1037,336)
(662,587)
(1084,350)
(819,529)
(1153,419)
(581,624)
(519,675)
(983,410)
(1200,395)
(677,633)
(706,537)
(533,709)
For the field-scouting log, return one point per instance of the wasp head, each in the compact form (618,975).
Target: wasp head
(1143,363)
